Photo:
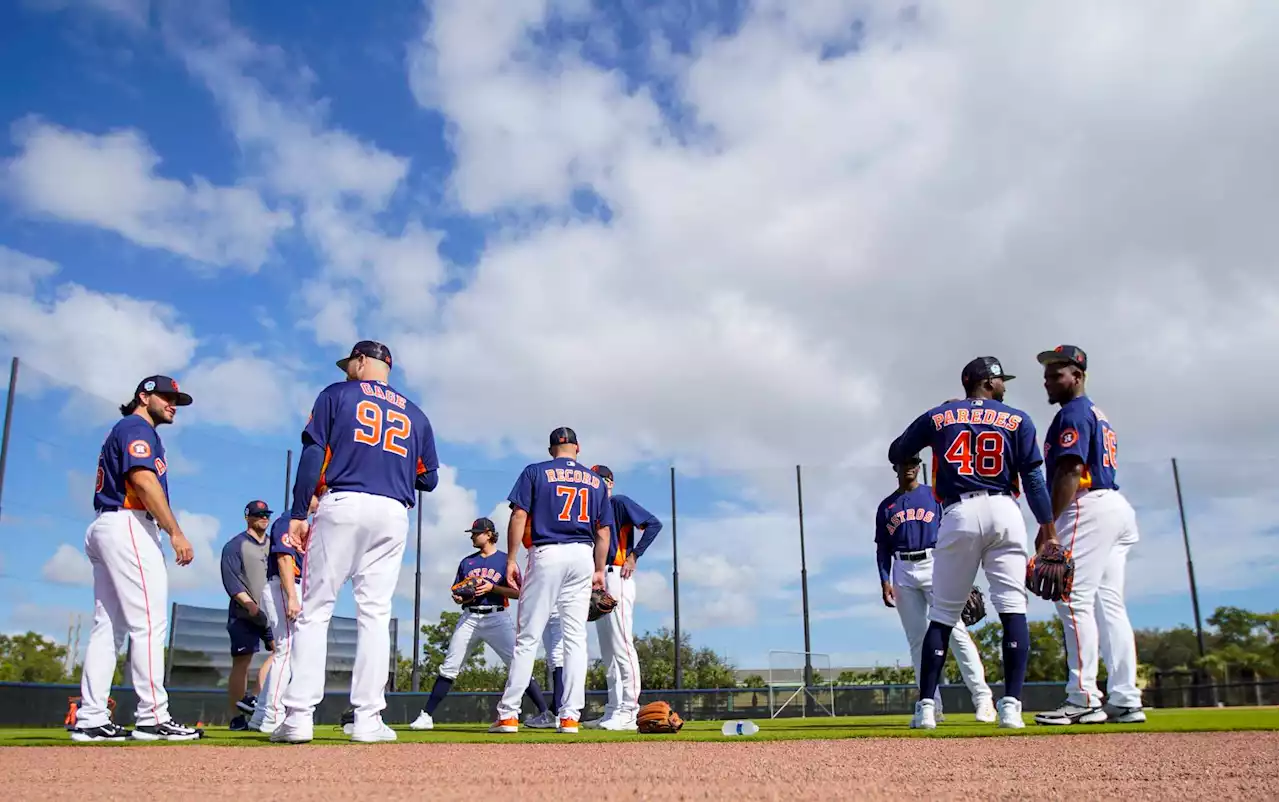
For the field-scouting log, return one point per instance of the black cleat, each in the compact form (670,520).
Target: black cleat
(168,731)
(107,732)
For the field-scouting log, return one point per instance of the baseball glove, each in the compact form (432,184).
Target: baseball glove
(601,604)
(466,589)
(1051,573)
(975,609)
(658,717)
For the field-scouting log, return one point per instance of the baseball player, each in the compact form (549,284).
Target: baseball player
(552,644)
(1098,526)
(617,648)
(568,505)
(373,449)
(484,618)
(244,575)
(980,447)
(907,523)
(281,599)
(130,581)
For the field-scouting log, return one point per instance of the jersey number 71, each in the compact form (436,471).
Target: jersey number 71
(571,493)
(983,451)
(385,428)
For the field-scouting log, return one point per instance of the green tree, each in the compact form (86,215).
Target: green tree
(752,681)
(1047,661)
(31,658)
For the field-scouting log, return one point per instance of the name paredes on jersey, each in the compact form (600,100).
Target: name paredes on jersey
(385,393)
(572,476)
(910,514)
(977,417)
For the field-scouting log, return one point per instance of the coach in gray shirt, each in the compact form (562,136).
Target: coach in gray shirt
(244,574)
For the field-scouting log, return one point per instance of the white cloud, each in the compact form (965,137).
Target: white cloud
(248,392)
(786,249)
(112,181)
(446,512)
(344,185)
(68,566)
(101,344)
(205,570)
(20,272)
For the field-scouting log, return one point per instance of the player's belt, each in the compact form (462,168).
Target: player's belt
(101,510)
(973,494)
(483,610)
(913,556)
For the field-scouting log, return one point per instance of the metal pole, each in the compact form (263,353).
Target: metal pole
(675,580)
(8,419)
(417,601)
(804,591)
(1191,571)
(288,478)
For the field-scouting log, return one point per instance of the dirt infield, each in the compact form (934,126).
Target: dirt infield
(1132,766)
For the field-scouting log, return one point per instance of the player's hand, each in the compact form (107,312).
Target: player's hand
(886,593)
(1048,533)
(629,567)
(597,580)
(483,587)
(513,575)
(182,550)
(299,536)
(292,607)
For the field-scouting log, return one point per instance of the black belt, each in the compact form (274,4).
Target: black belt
(484,610)
(913,556)
(118,509)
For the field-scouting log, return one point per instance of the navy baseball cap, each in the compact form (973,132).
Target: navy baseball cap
(981,369)
(369,348)
(257,508)
(602,471)
(1064,354)
(482,525)
(163,384)
(563,435)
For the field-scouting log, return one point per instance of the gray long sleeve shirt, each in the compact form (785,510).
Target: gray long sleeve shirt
(244,569)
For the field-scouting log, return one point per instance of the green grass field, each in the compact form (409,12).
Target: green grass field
(1231,719)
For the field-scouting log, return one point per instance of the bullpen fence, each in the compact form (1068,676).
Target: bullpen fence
(39,705)
(749,560)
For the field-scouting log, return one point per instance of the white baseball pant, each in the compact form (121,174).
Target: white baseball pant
(1098,528)
(495,629)
(617,649)
(356,537)
(269,710)
(983,531)
(556,576)
(130,598)
(913,594)
(553,641)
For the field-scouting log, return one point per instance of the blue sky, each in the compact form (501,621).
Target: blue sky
(706,235)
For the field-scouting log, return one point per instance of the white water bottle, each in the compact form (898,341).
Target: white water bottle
(739,728)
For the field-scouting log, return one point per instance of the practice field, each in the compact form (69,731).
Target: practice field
(1179,754)
(957,725)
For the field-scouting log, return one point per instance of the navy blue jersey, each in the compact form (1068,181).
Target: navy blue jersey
(131,443)
(280,528)
(375,440)
(565,500)
(978,444)
(1082,430)
(492,569)
(629,516)
(906,522)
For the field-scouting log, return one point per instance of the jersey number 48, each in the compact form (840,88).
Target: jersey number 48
(388,429)
(983,451)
